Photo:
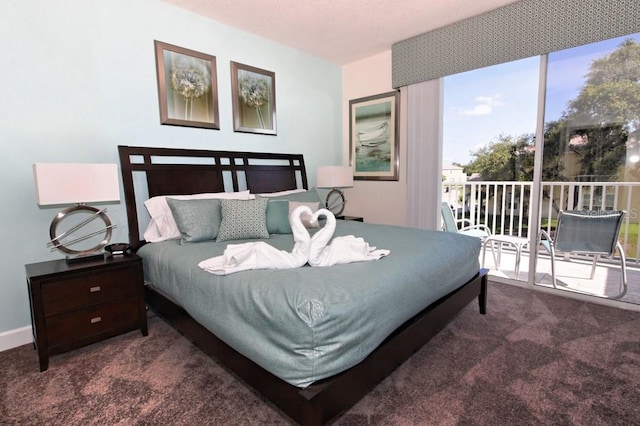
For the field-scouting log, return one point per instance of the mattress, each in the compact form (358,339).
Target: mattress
(309,323)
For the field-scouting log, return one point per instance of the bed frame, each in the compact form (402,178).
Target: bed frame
(147,172)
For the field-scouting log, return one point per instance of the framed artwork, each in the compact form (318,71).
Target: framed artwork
(253,93)
(373,137)
(187,87)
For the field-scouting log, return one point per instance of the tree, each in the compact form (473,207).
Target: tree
(604,152)
(611,94)
(606,112)
(554,145)
(506,159)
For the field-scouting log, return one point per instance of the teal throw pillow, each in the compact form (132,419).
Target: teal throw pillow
(278,217)
(243,219)
(197,220)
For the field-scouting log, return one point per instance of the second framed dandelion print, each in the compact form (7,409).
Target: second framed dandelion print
(187,87)
(253,92)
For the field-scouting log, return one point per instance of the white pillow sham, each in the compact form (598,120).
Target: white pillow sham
(281,193)
(163,226)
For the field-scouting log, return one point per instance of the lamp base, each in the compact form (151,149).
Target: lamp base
(63,241)
(335,202)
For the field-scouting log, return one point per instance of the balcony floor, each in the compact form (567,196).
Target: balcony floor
(571,274)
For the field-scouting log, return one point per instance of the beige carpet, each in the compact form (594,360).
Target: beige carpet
(533,359)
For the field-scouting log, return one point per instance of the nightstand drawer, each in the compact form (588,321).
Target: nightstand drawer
(80,325)
(84,290)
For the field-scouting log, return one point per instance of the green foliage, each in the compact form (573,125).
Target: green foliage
(611,94)
(607,110)
(554,145)
(604,154)
(505,159)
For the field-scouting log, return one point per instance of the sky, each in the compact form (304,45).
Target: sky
(480,105)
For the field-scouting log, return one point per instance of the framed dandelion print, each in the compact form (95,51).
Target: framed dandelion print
(187,87)
(253,93)
(374,137)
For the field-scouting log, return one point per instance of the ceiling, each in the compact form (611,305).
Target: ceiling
(340,31)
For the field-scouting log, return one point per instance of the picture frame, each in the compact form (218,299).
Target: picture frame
(374,136)
(187,87)
(253,93)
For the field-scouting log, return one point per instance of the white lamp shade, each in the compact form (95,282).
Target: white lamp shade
(63,183)
(334,177)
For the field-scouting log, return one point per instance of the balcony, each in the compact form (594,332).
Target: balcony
(505,207)
(572,275)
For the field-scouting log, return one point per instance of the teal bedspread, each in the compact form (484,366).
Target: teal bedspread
(306,324)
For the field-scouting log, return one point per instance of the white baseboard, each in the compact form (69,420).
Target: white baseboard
(14,338)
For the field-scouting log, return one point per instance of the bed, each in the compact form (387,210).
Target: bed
(292,335)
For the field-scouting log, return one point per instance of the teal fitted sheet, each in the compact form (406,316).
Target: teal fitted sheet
(307,324)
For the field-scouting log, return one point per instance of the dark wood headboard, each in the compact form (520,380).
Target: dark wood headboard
(148,172)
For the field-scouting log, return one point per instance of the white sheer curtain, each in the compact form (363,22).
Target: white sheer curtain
(424,153)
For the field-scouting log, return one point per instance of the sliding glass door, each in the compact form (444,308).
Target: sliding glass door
(589,157)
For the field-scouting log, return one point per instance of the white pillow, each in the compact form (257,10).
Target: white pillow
(281,193)
(163,226)
(152,233)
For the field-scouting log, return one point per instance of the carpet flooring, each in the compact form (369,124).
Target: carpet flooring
(533,359)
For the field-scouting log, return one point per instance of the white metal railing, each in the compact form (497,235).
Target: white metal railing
(505,206)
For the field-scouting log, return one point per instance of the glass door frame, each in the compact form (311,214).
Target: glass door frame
(536,190)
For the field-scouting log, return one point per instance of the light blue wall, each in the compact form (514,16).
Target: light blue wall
(78,78)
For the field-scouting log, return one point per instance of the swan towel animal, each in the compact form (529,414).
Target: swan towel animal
(345,249)
(313,250)
(260,255)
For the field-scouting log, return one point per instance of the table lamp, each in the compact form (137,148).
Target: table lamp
(77,184)
(334,177)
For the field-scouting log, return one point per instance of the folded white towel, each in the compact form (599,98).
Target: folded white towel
(347,249)
(260,255)
(314,250)
(321,238)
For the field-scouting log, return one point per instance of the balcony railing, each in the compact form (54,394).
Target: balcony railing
(505,207)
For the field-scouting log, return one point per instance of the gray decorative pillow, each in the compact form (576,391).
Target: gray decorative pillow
(197,220)
(243,219)
(278,217)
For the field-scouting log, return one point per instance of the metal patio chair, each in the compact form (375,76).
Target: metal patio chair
(587,232)
(450,224)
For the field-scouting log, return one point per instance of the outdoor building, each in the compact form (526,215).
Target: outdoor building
(453,179)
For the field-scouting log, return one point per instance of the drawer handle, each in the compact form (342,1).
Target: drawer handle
(96,320)
(95,289)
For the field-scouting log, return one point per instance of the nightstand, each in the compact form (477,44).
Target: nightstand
(76,304)
(354,218)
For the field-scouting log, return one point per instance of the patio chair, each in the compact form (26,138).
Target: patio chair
(587,232)
(450,224)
